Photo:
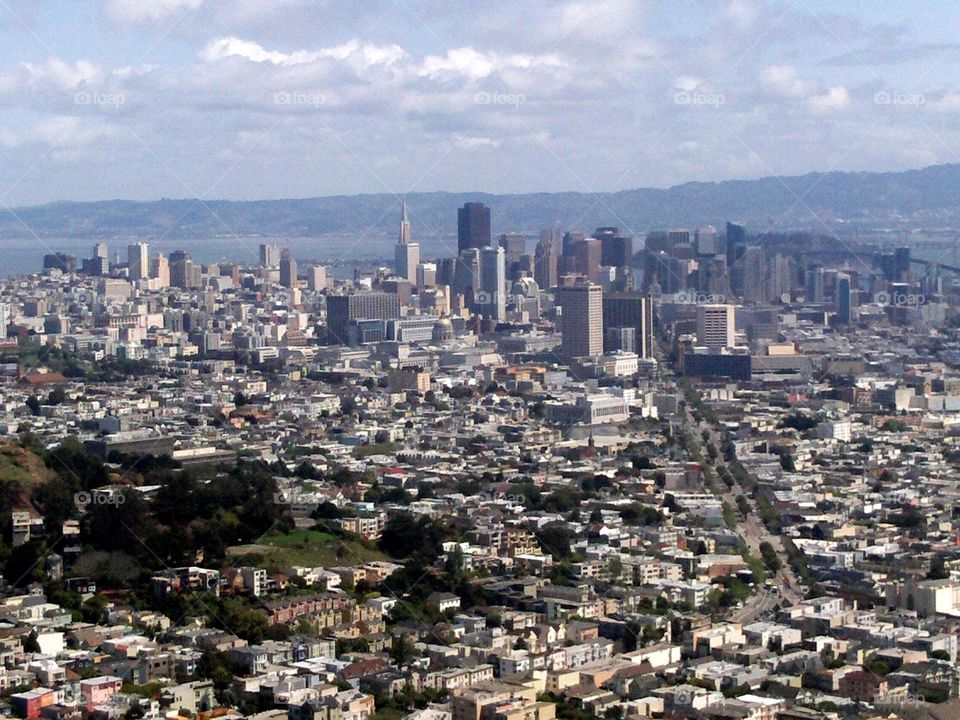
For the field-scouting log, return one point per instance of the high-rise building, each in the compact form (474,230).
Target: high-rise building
(707,242)
(630,310)
(813,284)
(545,260)
(100,250)
(317,278)
(587,256)
(514,246)
(269,256)
(406,254)
(138,261)
(736,238)
(844,299)
(184,273)
(160,269)
(616,250)
(716,326)
(473,226)
(491,300)
(749,275)
(341,309)
(581,319)
(288,269)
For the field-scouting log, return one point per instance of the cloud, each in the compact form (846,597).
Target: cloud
(474,65)
(836,98)
(230,47)
(139,11)
(784,81)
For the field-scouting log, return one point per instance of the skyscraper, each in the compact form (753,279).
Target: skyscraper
(813,284)
(587,255)
(406,254)
(473,226)
(545,260)
(616,250)
(632,310)
(160,269)
(491,299)
(844,310)
(288,269)
(736,238)
(581,319)
(138,261)
(716,325)
(317,278)
(269,256)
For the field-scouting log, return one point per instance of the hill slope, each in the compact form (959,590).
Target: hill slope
(926,196)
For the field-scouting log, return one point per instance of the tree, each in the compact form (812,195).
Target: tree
(401,650)
(770,557)
(33,404)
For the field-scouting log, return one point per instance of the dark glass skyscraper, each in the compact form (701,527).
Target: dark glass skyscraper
(473,226)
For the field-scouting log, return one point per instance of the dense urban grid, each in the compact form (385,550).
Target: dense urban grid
(706,473)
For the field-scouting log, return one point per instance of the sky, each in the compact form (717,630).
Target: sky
(258,99)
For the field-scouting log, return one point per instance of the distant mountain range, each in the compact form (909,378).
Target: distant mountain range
(929,197)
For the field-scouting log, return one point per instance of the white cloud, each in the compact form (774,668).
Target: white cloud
(228,47)
(784,81)
(836,98)
(138,11)
(475,65)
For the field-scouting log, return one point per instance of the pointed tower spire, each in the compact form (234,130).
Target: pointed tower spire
(404,237)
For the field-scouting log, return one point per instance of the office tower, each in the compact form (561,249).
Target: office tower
(901,263)
(514,246)
(426,275)
(288,269)
(712,277)
(406,254)
(813,285)
(678,236)
(60,261)
(545,261)
(491,300)
(844,309)
(630,310)
(269,256)
(342,309)
(586,254)
(615,249)
(716,325)
(780,279)
(570,239)
(623,339)
(748,275)
(581,319)
(317,278)
(706,241)
(100,250)
(184,273)
(138,261)
(473,226)
(736,238)
(466,274)
(160,269)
